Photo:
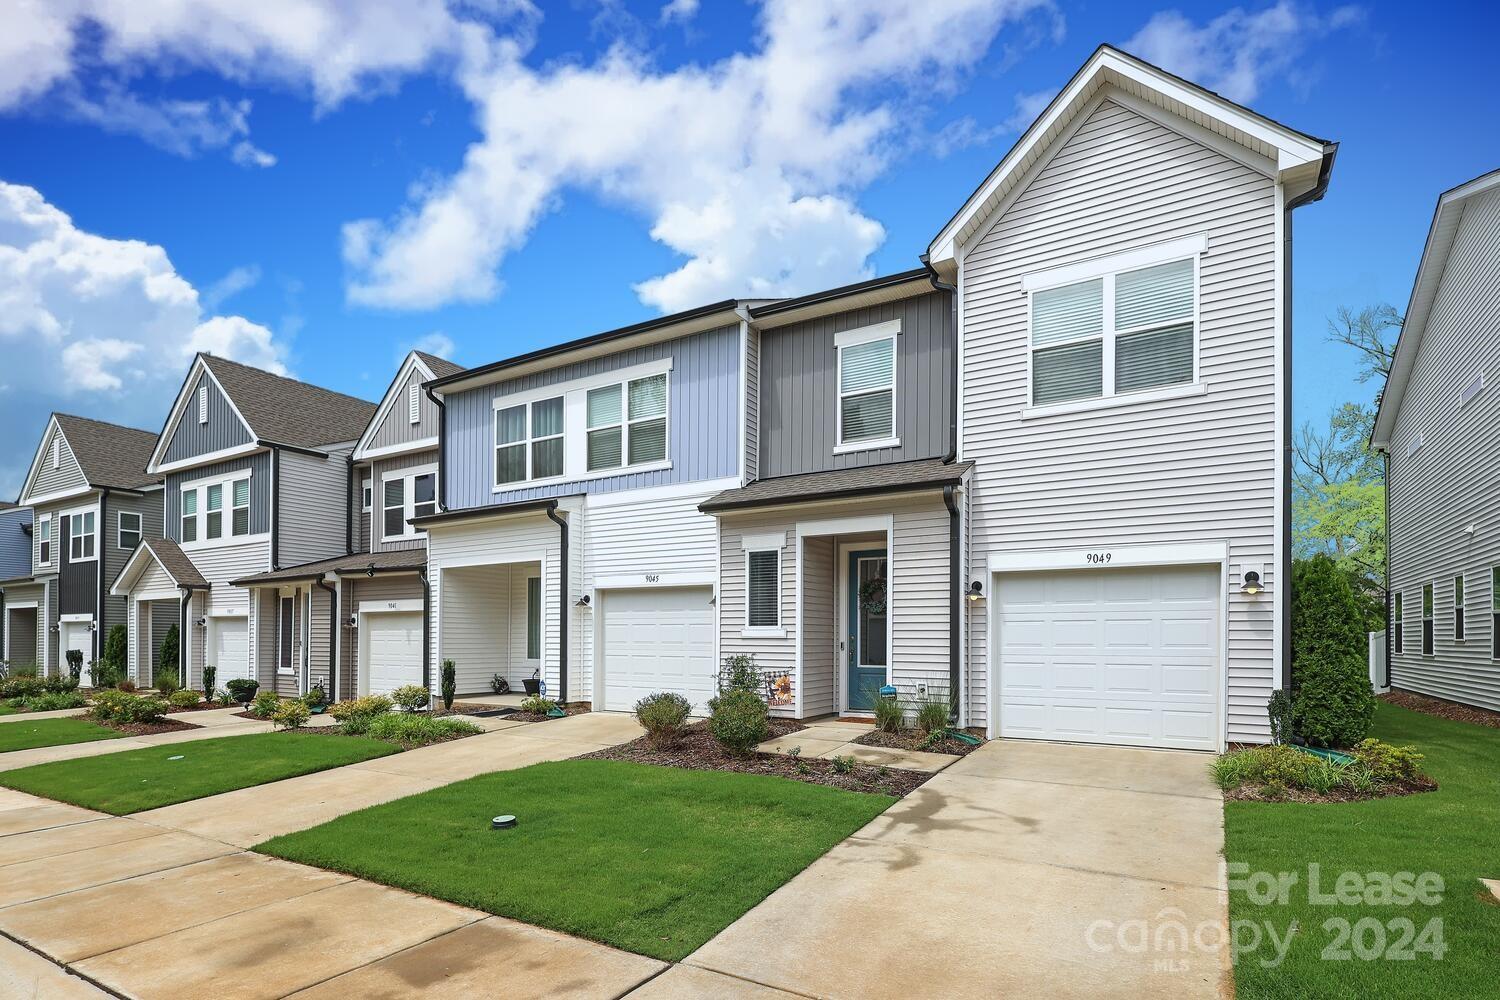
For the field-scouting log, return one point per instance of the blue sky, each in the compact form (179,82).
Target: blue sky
(322,187)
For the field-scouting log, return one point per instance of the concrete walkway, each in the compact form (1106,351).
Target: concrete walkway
(1024,869)
(167,904)
(836,739)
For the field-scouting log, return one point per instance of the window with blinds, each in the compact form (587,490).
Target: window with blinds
(763,587)
(627,423)
(1114,334)
(867,391)
(529,441)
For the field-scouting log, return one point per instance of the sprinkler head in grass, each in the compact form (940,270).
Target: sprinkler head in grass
(502,822)
(177,757)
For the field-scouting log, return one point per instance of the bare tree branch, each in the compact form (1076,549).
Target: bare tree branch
(1365,331)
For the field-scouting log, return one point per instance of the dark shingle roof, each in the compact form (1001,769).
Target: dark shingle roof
(281,410)
(926,473)
(108,454)
(175,562)
(359,562)
(441,367)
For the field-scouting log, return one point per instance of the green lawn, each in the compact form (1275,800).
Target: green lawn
(134,780)
(654,860)
(1454,832)
(51,733)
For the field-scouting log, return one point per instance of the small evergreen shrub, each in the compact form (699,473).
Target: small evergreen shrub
(1332,702)
(292,713)
(411,697)
(184,698)
(53,701)
(210,674)
(116,644)
(59,684)
(740,673)
(739,721)
(103,675)
(170,644)
(316,697)
(409,731)
(1279,712)
(120,706)
(1388,763)
(663,715)
(449,684)
(356,715)
(264,704)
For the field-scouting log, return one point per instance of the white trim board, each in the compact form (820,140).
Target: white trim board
(179,410)
(413,362)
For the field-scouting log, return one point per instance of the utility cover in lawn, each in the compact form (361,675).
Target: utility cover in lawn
(654,860)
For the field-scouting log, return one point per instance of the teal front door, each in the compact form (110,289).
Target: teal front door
(867,646)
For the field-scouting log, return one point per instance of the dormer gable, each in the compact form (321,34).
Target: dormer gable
(55,472)
(203,425)
(406,419)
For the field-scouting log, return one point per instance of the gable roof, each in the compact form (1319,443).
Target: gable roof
(1440,236)
(427,366)
(839,484)
(168,555)
(1293,156)
(282,410)
(107,455)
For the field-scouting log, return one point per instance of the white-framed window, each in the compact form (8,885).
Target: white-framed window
(367,494)
(533,618)
(215,511)
(529,441)
(1115,326)
(763,583)
(127,530)
(414,403)
(1426,619)
(203,404)
(1396,618)
(626,423)
(1458,608)
(285,633)
(404,495)
(1495,613)
(866,416)
(44,540)
(81,536)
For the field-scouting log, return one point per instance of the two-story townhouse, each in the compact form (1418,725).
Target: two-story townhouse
(374,613)
(1124,283)
(256,470)
(1437,427)
(92,502)
(20,595)
(567,544)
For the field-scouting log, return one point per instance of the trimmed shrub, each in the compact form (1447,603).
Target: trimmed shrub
(1332,703)
(888,715)
(663,715)
(243,688)
(740,673)
(120,706)
(316,697)
(739,720)
(170,643)
(537,705)
(1388,763)
(53,701)
(21,687)
(168,683)
(103,675)
(356,715)
(450,684)
(408,730)
(292,713)
(59,684)
(264,704)
(210,673)
(411,697)
(185,698)
(115,646)
(1279,712)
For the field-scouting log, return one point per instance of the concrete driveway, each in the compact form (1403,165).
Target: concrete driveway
(1025,869)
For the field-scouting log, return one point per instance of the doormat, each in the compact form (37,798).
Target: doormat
(492,713)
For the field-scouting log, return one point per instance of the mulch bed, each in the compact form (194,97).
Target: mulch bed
(1443,709)
(912,740)
(202,706)
(1258,793)
(466,708)
(142,728)
(697,750)
(534,717)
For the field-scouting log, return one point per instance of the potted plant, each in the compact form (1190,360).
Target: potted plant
(243,689)
(316,700)
(533,684)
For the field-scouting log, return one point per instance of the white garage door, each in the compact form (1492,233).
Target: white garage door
(77,635)
(393,650)
(229,651)
(1125,656)
(658,640)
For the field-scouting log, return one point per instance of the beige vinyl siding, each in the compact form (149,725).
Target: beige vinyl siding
(820,660)
(66,477)
(219,565)
(774,655)
(354,590)
(1452,482)
(1200,468)
(379,469)
(311,505)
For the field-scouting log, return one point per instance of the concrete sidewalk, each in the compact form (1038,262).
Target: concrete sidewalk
(833,738)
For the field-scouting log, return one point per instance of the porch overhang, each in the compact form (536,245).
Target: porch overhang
(840,484)
(354,565)
(164,553)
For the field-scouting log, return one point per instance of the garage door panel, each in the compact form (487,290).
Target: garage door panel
(657,640)
(393,650)
(231,649)
(1127,656)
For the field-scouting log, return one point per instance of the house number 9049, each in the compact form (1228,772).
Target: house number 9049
(1100,558)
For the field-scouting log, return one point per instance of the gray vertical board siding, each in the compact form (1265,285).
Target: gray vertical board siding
(751,430)
(375,526)
(66,477)
(703,423)
(1453,480)
(21,626)
(260,491)
(799,387)
(78,591)
(149,506)
(311,512)
(15,543)
(164,615)
(397,428)
(189,439)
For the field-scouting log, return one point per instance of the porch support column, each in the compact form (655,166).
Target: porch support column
(563,609)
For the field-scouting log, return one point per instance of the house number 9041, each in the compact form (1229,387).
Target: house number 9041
(1100,558)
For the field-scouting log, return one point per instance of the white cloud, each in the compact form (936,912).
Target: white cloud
(97,325)
(436,342)
(679,10)
(238,279)
(1237,51)
(962,133)
(184,128)
(747,167)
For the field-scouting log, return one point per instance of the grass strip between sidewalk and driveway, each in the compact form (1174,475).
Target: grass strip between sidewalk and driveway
(30,734)
(654,860)
(1450,832)
(136,780)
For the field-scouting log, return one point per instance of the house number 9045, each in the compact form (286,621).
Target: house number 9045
(1100,558)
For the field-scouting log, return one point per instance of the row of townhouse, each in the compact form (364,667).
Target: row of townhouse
(1043,476)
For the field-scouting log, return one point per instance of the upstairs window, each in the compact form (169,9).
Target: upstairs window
(1396,617)
(1115,331)
(216,511)
(128,530)
(189,515)
(626,424)
(1458,608)
(44,541)
(215,505)
(1427,619)
(81,536)
(407,495)
(240,513)
(368,496)
(529,441)
(867,386)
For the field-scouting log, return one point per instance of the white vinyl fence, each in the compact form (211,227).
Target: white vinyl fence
(1377,662)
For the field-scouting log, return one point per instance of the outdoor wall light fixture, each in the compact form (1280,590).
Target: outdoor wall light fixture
(976,591)
(354,621)
(200,622)
(582,602)
(370,570)
(1251,584)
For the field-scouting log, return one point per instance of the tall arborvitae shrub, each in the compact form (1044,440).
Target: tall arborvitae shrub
(1332,703)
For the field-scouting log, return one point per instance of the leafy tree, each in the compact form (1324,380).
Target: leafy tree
(1366,332)
(1332,703)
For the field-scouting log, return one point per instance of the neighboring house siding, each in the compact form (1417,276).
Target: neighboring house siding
(397,428)
(220,565)
(317,638)
(148,506)
(66,478)
(703,424)
(23,628)
(751,430)
(799,387)
(223,430)
(260,493)
(1195,469)
(15,543)
(1453,479)
(311,506)
(820,661)
(379,469)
